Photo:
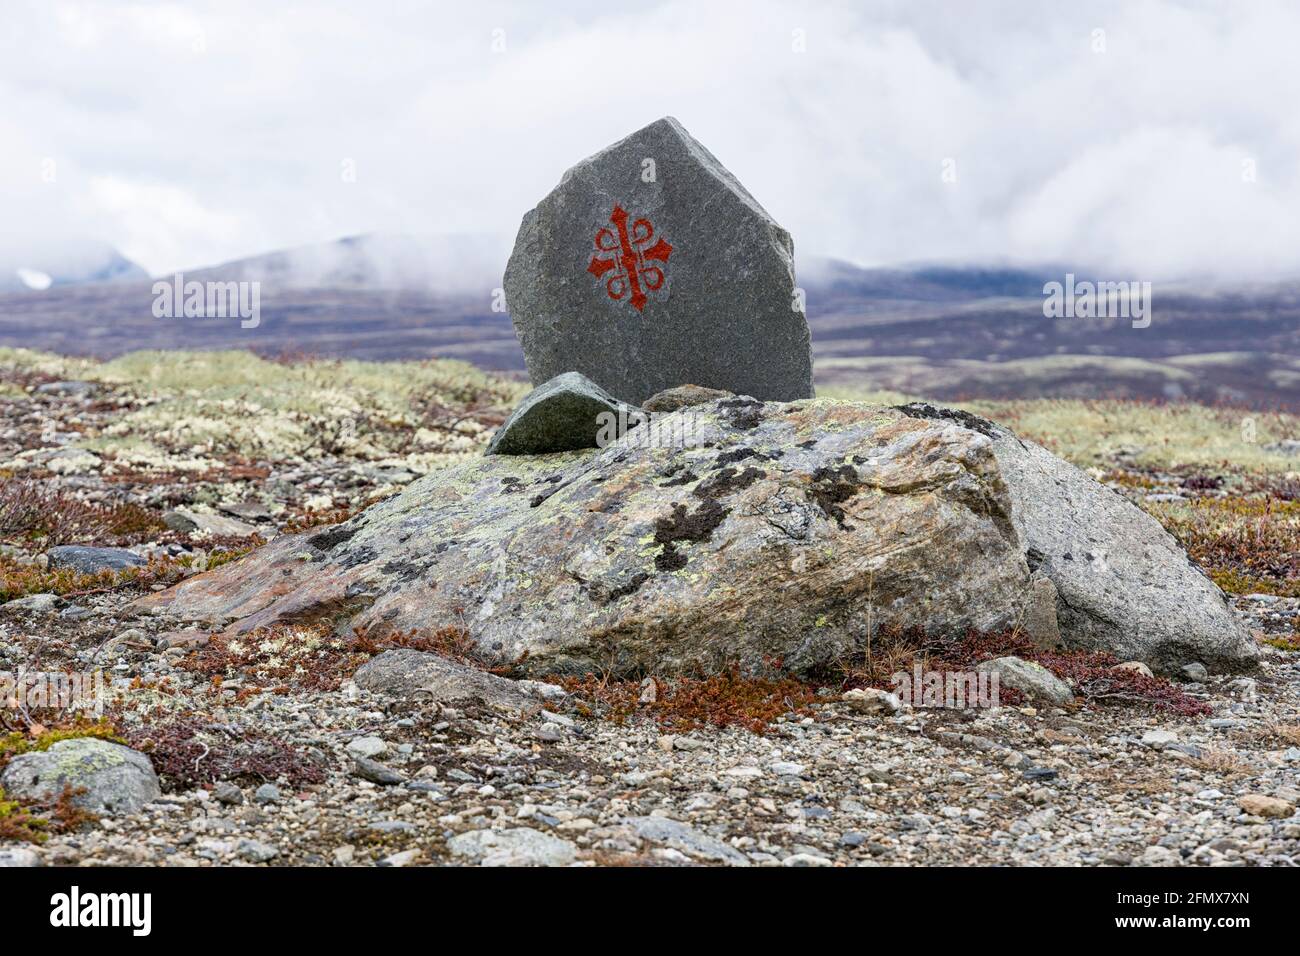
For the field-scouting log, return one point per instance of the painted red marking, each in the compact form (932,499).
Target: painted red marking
(628,260)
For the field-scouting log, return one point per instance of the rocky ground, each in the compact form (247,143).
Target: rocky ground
(269,753)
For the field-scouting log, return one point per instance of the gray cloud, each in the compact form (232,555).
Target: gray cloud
(187,134)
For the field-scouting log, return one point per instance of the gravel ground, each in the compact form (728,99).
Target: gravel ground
(369,780)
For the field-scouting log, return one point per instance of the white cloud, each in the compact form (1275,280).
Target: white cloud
(192,133)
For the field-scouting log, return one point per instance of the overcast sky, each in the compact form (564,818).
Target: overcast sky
(1158,138)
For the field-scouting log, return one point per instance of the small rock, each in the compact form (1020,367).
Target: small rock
(227,793)
(1159,739)
(376,772)
(870,700)
(520,846)
(367,747)
(404,858)
(267,793)
(113,779)
(1029,678)
(1136,666)
(1260,805)
(93,560)
(1195,672)
(566,413)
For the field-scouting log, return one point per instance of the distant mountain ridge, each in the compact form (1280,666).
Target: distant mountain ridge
(944,331)
(74,263)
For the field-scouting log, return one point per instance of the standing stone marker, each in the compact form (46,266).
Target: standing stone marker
(650,266)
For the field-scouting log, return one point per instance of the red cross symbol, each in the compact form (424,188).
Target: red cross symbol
(631,271)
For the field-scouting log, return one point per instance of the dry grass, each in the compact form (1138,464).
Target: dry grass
(686,704)
(34,514)
(1222,762)
(1247,545)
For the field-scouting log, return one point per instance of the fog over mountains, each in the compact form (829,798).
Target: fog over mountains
(943,331)
(40,266)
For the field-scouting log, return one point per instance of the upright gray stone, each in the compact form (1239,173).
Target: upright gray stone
(650,265)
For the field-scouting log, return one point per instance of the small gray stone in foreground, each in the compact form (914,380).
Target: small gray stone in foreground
(520,846)
(680,836)
(115,779)
(1028,677)
(18,856)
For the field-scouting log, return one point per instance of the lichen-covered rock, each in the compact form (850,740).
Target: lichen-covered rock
(115,779)
(567,413)
(1123,583)
(408,673)
(1030,678)
(650,265)
(93,560)
(780,537)
(682,396)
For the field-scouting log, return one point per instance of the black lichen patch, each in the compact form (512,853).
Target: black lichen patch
(681,525)
(833,486)
(404,570)
(965,419)
(727,481)
(680,477)
(735,455)
(742,413)
(331,538)
(511,484)
(360,556)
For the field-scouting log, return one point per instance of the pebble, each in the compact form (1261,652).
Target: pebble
(267,793)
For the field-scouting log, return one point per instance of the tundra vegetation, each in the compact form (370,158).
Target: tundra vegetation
(192,460)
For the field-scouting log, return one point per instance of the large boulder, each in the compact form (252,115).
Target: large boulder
(106,778)
(781,536)
(1123,583)
(650,265)
(784,535)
